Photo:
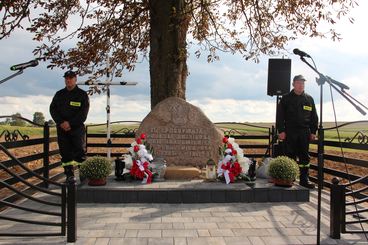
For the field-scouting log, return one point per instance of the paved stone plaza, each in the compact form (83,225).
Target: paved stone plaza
(193,224)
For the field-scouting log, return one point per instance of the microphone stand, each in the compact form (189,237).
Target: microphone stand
(333,83)
(11,76)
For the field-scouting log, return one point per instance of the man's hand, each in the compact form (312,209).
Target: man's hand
(65,126)
(312,137)
(282,136)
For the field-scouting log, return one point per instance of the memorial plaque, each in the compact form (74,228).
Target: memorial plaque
(181,133)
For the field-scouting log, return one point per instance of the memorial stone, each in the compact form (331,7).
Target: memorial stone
(181,133)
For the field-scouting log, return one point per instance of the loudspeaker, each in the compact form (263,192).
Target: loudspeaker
(278,76)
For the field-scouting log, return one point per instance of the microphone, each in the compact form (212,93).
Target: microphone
(341,85)
(22,66)
(301,53)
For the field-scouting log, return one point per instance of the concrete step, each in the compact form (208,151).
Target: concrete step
(189,191)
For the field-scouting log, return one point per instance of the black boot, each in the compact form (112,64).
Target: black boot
(304,180)
(69,171)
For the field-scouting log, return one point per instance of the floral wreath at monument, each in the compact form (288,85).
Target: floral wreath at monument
(233,165)
(139,160)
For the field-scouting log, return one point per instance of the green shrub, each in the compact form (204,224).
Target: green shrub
(284,168)
(96,168)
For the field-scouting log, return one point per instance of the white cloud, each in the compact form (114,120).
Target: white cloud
(122,108)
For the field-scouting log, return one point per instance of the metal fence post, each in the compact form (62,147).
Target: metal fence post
(272,143)
(71,209)
(86,137)
(46,152)
(337,202)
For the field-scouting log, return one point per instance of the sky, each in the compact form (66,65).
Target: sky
(231,89)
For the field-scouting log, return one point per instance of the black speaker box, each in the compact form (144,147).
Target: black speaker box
(278,76)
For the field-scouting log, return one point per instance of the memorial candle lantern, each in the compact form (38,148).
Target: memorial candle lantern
(210,170)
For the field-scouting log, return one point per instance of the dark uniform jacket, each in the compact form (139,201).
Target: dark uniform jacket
(71,106)
(296,112)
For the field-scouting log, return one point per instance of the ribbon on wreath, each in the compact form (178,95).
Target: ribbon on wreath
(224,169)
(140,171)
(229,176)
(228,169)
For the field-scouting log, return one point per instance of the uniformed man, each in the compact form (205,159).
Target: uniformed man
(297,123)
(69,109)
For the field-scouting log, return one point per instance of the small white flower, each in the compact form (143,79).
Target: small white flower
(149,157)
(244,165)
(231,140)
(131,150)
(228,151)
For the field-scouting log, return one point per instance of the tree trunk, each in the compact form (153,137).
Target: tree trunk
(168,51)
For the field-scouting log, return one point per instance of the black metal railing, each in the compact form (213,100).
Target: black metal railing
(43,155)
(340,216)
(349,144)
(65,203)
(252,133)
(124,132)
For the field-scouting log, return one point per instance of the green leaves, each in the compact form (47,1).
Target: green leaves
(284,168)
(96,168)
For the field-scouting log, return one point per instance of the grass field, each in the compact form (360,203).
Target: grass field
(30,131)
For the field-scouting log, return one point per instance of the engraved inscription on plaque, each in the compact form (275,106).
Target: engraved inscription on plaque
(181,143)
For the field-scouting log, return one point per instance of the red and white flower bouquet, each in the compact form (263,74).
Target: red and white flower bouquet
(232,165)
(139,160)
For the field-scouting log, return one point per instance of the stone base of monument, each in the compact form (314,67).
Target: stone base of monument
(190,191)
(182,173)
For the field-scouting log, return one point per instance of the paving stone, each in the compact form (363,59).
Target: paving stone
(196,214)
(237,241)
(177,219)
(146,220)
(206,241)
(84,241)
(230,225)
(131,233)
(160,241)
(203,233)
(279,240)
(132,226)
(149,233)
(265,224)
(161,226)
(285,231)
(102,241)
(257,241)
(180,241)
(221,232)
(250,232)
(179,233)
(244,225)
(200,225)
(106,233)
(307,239)
(128,241)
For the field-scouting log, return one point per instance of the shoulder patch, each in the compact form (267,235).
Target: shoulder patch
(76,104)
(307,108)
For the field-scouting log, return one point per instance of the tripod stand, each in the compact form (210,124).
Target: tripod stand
(11,76)
(341,90)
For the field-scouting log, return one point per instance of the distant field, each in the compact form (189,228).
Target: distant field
(30,131)
(345,132)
